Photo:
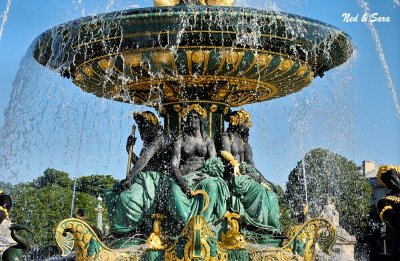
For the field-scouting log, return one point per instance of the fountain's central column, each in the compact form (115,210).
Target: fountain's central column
(213,122)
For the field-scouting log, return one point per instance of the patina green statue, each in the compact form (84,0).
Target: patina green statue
(131,202)
(196,168)
(252,197)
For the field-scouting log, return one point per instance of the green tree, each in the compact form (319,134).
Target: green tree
(53,177)
(285,218)
(331,175)
(43,203)
(42,209)
(94,184)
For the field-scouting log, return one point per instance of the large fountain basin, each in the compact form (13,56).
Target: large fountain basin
(229,55)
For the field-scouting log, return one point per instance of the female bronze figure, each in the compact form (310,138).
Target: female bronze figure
(252,196)
(196,168)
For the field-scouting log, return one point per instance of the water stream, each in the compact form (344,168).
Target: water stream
(365,6)
(4,17)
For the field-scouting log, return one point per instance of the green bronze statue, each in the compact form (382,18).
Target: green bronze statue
(131,202)
(253,196)
(196,168)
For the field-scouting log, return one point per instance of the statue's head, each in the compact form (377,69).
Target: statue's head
(148,124)
(240,119)
(193,117)
(389,176)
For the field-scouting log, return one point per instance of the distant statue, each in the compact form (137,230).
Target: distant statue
(330,213)
(131,202)
(196,169)
(389,206)
(253,196)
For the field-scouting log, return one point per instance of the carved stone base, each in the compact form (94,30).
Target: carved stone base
(198,242)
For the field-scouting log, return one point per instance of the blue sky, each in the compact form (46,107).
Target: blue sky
(349,111)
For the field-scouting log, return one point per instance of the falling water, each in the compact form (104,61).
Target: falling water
(5,17)
(78,161)
(303,166)
(364,5)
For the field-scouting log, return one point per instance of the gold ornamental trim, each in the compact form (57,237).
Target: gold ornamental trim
(240,117)
(386,208)
(194,107)
(393,199)
(5,211)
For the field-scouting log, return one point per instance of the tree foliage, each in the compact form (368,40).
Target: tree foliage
(331,175)
(284,209)
(43,203)
(53,177)
(42,209)
(94,184)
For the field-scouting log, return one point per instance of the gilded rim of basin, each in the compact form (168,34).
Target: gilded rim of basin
(156,55)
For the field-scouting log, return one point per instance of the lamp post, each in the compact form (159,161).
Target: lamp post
(99,214)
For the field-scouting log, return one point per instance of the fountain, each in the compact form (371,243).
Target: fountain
(192,63)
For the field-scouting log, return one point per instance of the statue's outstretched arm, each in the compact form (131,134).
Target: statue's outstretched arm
(175,163)
(147,153)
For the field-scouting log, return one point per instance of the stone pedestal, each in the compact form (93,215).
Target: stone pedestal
(5,235)
(343,250)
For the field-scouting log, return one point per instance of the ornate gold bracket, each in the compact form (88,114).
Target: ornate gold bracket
(232,239)
(301,242)
(154,240)
(198,242)
(76,234)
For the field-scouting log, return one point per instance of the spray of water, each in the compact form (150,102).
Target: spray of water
(5,17)
(78,159)
(364,5)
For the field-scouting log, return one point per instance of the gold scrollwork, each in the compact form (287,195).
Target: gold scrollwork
(232,239)
(196,107)
(197,247)
(386,208)
(75,233)
(155,238)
